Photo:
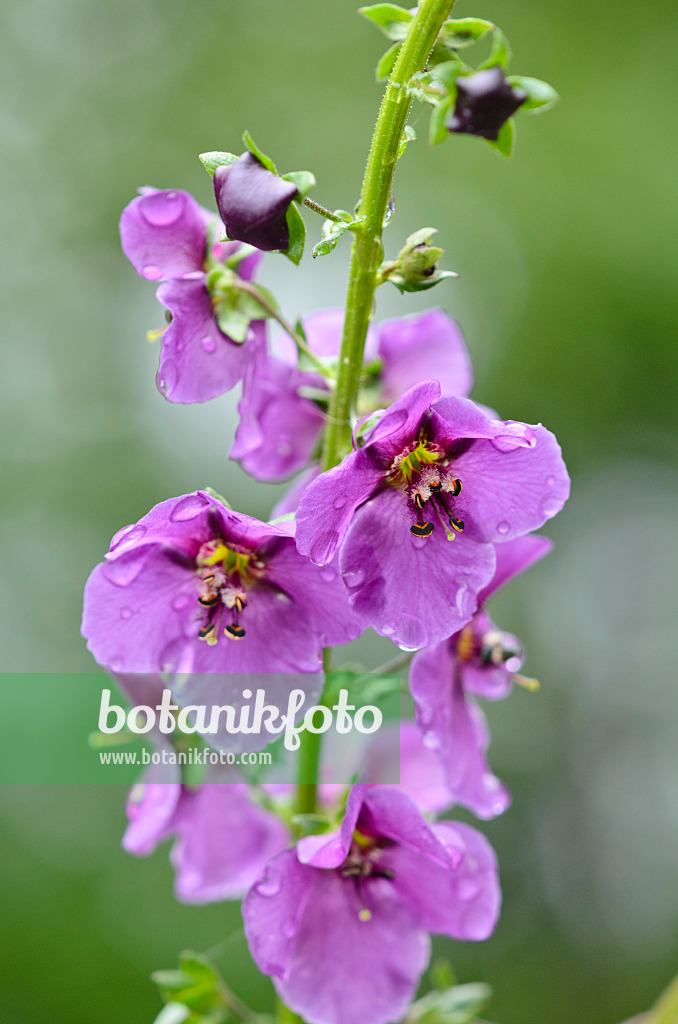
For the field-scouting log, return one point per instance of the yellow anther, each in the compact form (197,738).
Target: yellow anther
(364,914)
(529,684)
(465,644)
(156,334)
(362,840)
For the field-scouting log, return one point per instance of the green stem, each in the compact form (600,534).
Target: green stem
(367,252)
(322,210)
(270,309)
(309,760)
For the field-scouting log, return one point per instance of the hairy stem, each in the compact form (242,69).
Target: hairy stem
(367,248)
(322,210)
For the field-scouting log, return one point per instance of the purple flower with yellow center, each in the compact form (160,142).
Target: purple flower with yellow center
(485,101)
(283,408)
(431,471)
(222,839)
(168,237)
(197,587)
(341,923)
(478,661)
(253,203)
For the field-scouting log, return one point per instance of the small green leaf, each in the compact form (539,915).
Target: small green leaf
(255,151)
(217,496)
(297,229)
(409,135)
(504,143)
(331,232)
(500,54)
(442,975)
(460,1004)
(540,95)
(173,1013)
(460,32)
(449,72)
(214,159)
(387,62)
(304,181)
(393,21)
(437,129)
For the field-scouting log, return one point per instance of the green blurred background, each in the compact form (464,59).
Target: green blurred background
(566,296)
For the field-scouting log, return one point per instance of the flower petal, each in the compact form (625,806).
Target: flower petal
(272,910)
(198,361)
(164,233)
(414,590)
(423,346)
(253,203)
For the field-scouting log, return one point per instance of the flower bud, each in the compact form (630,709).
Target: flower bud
(253,203)
(485,101)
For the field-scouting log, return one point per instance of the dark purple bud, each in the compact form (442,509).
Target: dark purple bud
(485,101)
(253,203)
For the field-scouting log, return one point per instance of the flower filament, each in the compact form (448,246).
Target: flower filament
(225,575)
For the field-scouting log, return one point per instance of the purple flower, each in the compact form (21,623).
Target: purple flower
(166,235)
(341,922)
(430,471)
(280,425)
(222,839)
(484,102)
(196,587)
(482,661)
(253,202)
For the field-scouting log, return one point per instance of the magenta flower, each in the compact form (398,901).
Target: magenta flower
(166,236)
(222,839)
(478,661)
(253,203)
(431,471)
(196,587)
(341,922)
(280,425)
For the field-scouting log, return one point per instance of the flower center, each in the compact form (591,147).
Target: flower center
(423,471)
(225,575)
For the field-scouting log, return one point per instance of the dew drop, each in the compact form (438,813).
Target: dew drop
(151,272)
(431,740)
(550,505)
(180,602)
(467,888)
(388,630)
(339,501)
(168,381)
(116,664)
(503,527)
(128,535)
(283,598)
(328,574)
(160,209)
(126,613)
(188,508)
(418,542)
(324,546)
(123,570)
(269,886)
(179,347)
(550,481)
(354,579)
(209,344)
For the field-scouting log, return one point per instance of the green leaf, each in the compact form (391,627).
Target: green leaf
(500,54)
(304,181)
(409,135)
(460,32)
(255,151)
(217,496)
(437,128)
(393,21)
(331,232)
(504,143)
(387,62)
(540,95)
(448,73)
(460,1004)
(214,159)
(297,229)
(173,1013)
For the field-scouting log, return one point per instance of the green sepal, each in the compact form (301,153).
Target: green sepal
(449,72)
(437,128)
(331,232)
(214,159)
(287,517)
(504,142)
(500,54)
(459,32)
(218,497)
(297,230)
(393,21)
(255,151)
(387,62)
(540,95)
(196,985)
(173,1013)
(304,180)
(460,1004)
(409,135)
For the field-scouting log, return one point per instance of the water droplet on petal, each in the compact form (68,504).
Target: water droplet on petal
(209,344)
(269,886)
(388,630)
(126,613)
(116,664)
(328,573)
(550,505)
(418,542)
(339,501)
(181,601)
(550,481)
(431,740)
(503,527)
(354,579)
(123,570)
(128,535)
(168,381)
(324,546)
(467,888)
(151,272)
(160,209)
(188,508)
